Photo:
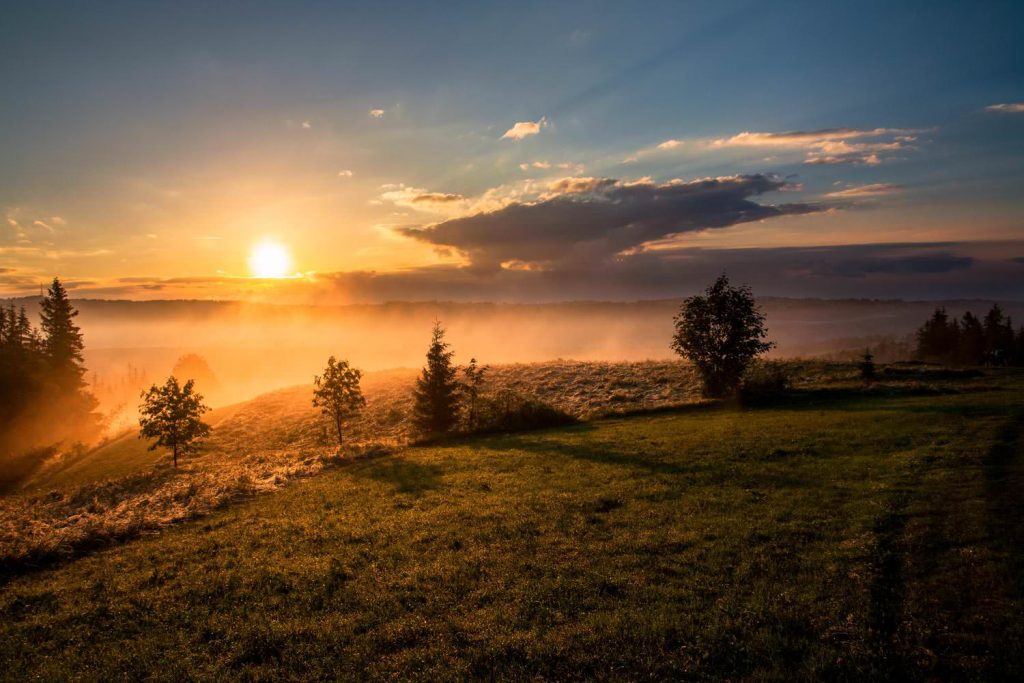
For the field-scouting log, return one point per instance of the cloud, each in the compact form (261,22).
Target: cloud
(307,125)
(448,203)
(436,197)
(345,173)
(863,191)
(547,165)
(377,113)
(670,144)
(524,129)
(593,219)
(831,145)
(1008,108)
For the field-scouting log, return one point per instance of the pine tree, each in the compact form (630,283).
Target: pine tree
(436,394)
(62,338)
(972,341)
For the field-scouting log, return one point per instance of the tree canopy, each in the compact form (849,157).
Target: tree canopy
(720,331)
(172,414)
(337,393)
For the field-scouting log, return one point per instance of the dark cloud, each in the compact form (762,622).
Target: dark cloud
(595,218)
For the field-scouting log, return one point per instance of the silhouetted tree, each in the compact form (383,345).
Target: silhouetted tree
(62,339)
(337,393)
(999,341)
(172,414)
(435,410)
(938,338)
(193,366)
(971,347)
(472,385)
(867,365)
(720,332)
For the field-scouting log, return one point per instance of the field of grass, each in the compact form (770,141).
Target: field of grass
(843,533)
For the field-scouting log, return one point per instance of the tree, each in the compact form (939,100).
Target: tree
(472,385)
(720,332)
(971,350)
(337,393)
(999,340)
(435,410)
(62,338)
(172,414)
(938,338)
(867,365)
(193,366)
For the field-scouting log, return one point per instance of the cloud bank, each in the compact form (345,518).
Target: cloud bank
(593,219)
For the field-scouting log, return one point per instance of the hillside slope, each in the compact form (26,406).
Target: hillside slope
(841,536)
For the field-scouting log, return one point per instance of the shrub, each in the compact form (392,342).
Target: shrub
(508,411)
(764,382)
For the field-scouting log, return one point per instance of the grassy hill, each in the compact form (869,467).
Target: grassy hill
(839,535)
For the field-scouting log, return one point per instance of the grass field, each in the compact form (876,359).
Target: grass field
(842,534)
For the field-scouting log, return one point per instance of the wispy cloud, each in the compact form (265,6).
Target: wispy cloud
(1007,108)
(345,173)
(872,190)
(831,145)
(377,113)
(524,129)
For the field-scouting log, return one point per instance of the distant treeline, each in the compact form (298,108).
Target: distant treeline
(970,340)
(43,395)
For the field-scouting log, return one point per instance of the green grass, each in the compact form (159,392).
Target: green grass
(840,537)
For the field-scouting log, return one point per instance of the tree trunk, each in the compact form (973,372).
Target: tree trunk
(175,452)
(337,425)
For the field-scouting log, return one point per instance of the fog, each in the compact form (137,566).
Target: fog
(254,348)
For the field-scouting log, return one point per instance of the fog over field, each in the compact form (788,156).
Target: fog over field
(254,348)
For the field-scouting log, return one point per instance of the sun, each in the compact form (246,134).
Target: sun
(270,260)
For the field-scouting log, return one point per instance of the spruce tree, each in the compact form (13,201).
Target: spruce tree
(62,338)
(437,391)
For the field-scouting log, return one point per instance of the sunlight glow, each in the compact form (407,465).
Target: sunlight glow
(270,260)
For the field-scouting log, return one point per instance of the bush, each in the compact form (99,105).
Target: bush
(508,411)
(764,382)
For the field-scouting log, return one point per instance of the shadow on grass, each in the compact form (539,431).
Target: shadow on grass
(591,451)
(406,476)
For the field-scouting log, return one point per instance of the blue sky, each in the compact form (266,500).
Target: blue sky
(151,147)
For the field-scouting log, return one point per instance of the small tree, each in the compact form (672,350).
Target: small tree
(472,385)
(867,365)
(337,393)
(437,391)
(172,414)
(720,332)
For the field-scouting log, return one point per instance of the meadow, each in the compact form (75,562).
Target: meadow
(842,531)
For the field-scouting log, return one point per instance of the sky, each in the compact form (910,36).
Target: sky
(332,152)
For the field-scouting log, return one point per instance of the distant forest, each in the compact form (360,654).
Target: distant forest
(971,340)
